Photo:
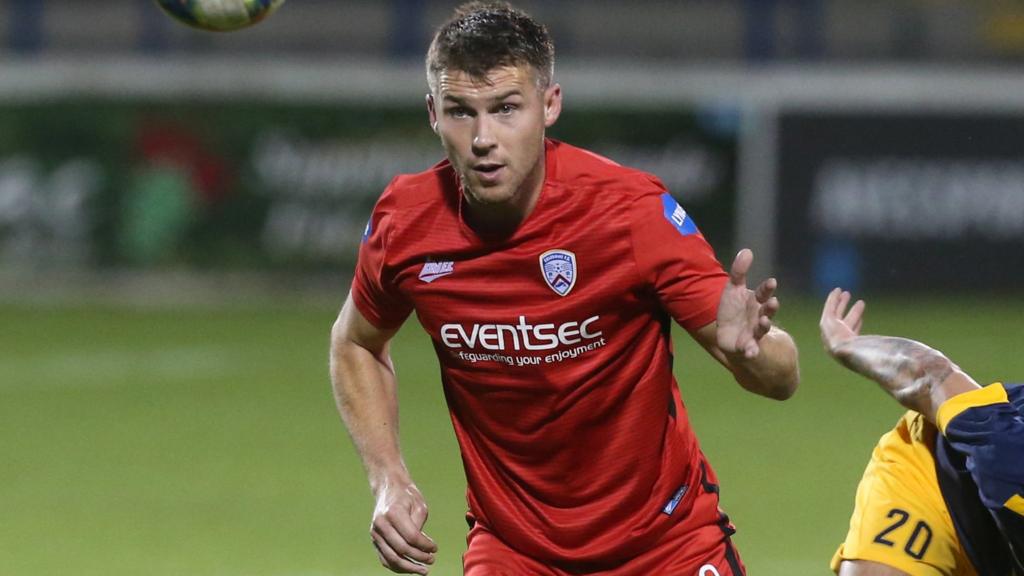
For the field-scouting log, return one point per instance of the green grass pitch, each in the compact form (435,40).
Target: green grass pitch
(204,441)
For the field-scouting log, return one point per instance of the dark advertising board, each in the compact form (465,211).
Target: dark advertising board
(251,185)
(901,200)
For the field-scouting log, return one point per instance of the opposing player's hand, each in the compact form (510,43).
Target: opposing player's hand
(745,315)
(837,325)
(397,529)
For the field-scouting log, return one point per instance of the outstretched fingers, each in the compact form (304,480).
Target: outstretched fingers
(835,305)
(764,317)
(855,317)
(837,323)
(766,290)
(828,311)
(740,267)
(844,301)
(840,299)
(831,324)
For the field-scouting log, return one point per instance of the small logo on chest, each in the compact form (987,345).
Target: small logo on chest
(559,270)
(433,270)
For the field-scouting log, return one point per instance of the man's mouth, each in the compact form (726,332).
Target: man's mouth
(488,171)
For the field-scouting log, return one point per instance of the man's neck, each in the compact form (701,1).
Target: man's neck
(502,220)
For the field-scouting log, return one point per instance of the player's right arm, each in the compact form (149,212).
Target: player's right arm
(916,375)
(365,390)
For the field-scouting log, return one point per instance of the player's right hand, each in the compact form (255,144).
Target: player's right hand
(837,325)
(745,315)
(397,529)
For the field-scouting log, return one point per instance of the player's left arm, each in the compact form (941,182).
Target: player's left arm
(761,356)
(982,424)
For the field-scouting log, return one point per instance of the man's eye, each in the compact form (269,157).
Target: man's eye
(507,108)
(458,112)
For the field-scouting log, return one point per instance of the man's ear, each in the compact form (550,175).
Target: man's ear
(552,104)
(432,112)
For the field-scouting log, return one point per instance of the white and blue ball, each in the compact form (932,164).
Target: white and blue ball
(219,15)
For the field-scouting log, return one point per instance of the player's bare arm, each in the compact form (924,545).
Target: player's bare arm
(364,384)
(761,356)
(916,375)
(865,568)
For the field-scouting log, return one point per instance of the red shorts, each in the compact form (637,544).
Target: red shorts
(672,556)
(704,550)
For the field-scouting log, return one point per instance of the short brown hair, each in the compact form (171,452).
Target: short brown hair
(481,36)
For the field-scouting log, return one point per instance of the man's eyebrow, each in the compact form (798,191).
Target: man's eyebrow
(495,98)
(506,94)
(455,99)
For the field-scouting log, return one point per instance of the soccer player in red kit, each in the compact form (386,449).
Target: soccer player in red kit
(547,278)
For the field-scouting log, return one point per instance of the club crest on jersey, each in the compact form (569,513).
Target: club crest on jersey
(559,270)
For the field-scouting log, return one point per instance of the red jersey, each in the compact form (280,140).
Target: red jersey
(555,348)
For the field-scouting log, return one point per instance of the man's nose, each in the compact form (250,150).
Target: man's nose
(483,136)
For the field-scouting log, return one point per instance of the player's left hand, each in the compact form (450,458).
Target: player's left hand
(745,315)
(837,325)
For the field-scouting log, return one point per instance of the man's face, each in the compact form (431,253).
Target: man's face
(493,132)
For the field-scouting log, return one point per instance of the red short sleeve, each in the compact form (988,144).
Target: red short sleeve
(678,262)
(374,291)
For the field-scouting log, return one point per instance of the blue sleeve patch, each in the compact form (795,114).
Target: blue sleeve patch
(368,230)
(671,505)
(678,217)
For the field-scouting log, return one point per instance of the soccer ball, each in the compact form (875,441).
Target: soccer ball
(219,15)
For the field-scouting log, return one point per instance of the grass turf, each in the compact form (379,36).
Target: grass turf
(204,441)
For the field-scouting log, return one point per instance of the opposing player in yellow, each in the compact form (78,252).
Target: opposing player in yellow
(943,493)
